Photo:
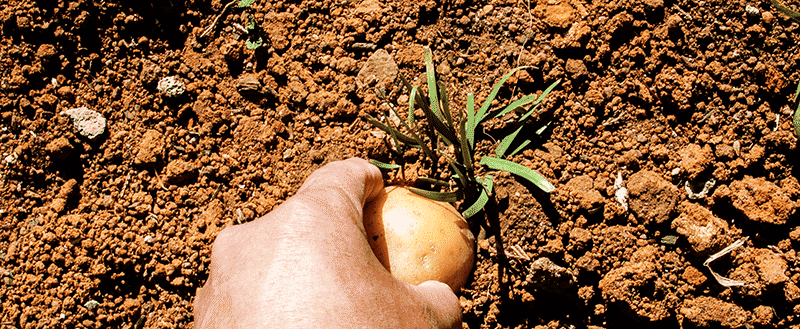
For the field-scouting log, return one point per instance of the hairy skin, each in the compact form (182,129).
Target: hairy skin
(307,264)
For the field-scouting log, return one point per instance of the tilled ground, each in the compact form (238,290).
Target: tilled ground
(115,230)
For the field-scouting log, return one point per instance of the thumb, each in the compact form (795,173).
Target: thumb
(441,304)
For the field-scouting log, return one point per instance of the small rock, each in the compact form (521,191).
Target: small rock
(761,201)
(581,191)
(771,266)
(88,123)
(707,311)
(548,276)
(767,17)
(379,68)
(171,86)
(59,148)
(652,198)
(576,68)
(705,232)
(180,171)
(248,85)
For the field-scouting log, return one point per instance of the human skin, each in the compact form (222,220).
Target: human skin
(307,264)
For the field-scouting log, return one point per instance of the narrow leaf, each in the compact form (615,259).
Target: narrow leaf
(411,106)
(434,181)
(519,170)
(459,174)
(430,73)
(483,198)
(539,100)
(506,142)
(383,165)
(520,147)
(466,155)
(471,122)
(516,104)
(437,196)
(543,128)
(446,132)
(389,130)
(445,104)
(786,11)
(482,113)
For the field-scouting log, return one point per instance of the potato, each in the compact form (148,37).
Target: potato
(418,239)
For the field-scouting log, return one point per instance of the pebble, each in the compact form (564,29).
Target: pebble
(88,123)
(380,67)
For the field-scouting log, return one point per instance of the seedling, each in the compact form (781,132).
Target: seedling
(245,3)
(251,42)
(442,132)
(452,136)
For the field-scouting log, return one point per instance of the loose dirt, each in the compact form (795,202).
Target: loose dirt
(115,231)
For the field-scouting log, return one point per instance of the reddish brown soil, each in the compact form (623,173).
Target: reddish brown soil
(664,93)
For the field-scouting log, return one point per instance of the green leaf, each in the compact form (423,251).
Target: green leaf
(389,130)
(796,92)
(482,113)
(520,147)
(445,104)
(506,142)
(383,165)
(519,170)
(253,44)
(786,11)
(251,23)
(437,196)
(471,123)
(430,73)
(245,3)
(542,129)
(458,173)
(411,106)
(434,181)
(516,104)
(466,155)
(473,209)
(796,121)
(539,100)
(447,133)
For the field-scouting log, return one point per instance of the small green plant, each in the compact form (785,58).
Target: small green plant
(452,136)
(245,3)
(253,44)
(250,28)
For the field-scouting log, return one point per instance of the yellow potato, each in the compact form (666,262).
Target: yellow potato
(418,239)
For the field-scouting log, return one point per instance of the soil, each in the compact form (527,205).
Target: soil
(116,230)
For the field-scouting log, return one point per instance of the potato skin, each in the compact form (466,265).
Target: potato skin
(418,239)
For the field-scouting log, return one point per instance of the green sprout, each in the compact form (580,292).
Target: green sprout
(452,136)
(245,3)
(253,44)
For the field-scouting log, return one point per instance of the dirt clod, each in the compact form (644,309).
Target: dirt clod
(760,200)
(705,232)
(652,198)
(705,311)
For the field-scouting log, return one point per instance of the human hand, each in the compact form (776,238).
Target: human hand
(308,264)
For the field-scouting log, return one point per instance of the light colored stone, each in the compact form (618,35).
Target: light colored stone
(89,123)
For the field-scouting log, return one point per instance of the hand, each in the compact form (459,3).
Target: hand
(307,264)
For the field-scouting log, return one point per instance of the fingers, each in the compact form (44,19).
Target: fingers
(444,309)
(349,183)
